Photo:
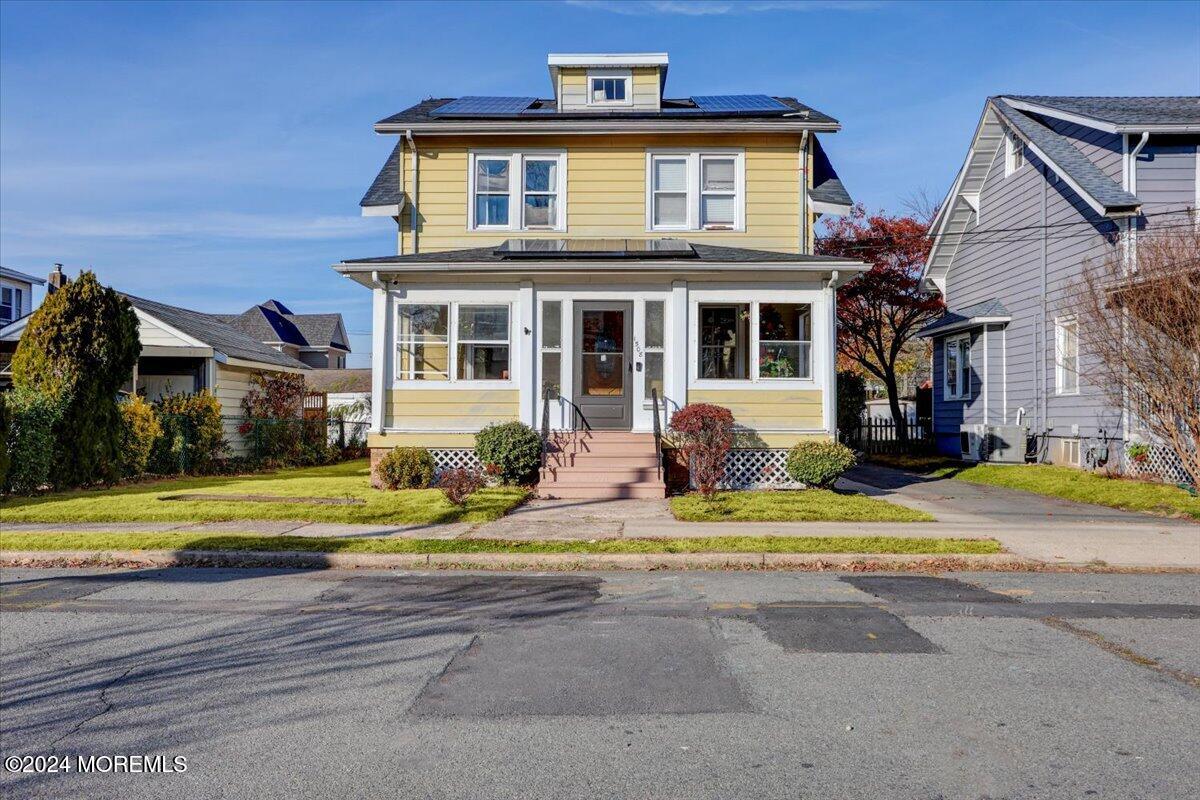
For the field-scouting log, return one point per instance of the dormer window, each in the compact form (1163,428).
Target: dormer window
(610,87)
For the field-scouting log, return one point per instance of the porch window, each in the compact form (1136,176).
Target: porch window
(956,368)
(653,347)
(784,340)
(725,341)
(1066,373)
(482,343)
(423,343)
(551,347)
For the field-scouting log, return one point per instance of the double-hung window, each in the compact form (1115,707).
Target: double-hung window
(452,342)
(514,191)
(1066,371)
(10,304)
(695,190)
(956,368)
(1014,155)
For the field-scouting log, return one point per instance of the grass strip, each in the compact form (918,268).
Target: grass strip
(1067,483)
(100,541)
(808,505)
(304,495)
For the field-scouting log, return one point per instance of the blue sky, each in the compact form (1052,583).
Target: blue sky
(213,155)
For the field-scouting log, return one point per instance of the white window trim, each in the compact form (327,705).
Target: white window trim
(693,157)
(516,187)
(964,376)
(1060,329)
(625,74)
(754,381)
(1014,148)
(452,341)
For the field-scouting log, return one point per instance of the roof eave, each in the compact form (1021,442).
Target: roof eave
(1098,123)
(973,322)
(587,265)
(606,126)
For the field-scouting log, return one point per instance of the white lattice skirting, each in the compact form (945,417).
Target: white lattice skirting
(456,458)
(1160,463)
(757,469)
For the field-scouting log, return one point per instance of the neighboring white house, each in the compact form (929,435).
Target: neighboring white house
(16,294)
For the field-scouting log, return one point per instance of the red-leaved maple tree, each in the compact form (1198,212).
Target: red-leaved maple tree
(882,309)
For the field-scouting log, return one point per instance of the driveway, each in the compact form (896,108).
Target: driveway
(1033,525)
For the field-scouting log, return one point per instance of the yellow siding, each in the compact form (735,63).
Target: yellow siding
(606,189)
(231,384)
(421,440)
(433,409)
(573,85)
(767,410)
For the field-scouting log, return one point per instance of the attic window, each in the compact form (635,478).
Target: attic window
(1014,155)
(609,88)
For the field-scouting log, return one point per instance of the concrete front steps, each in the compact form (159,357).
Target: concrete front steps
(601,465)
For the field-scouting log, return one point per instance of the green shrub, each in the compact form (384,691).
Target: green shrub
(80,347)
(141,430)
(512,451)
(851,400)
(33,416)
(406,468)
(193,439)
(818,463)
(5,424)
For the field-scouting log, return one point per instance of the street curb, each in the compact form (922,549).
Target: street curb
(855,562)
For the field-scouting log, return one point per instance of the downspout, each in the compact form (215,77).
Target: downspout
(1131,187)
(412,205)
(804,193)
(830,396)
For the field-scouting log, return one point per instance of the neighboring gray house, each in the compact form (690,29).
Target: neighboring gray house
(16,294)
(1049,184)
(319,340)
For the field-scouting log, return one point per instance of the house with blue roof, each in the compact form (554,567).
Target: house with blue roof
(590,259)
(1049,185)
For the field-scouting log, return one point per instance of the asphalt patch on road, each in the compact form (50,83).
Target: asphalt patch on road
(923,589)
(641,665)
(840,628)
(26,595)
(513,597)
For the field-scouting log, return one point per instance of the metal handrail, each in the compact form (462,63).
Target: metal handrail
(545,425)
(657,431)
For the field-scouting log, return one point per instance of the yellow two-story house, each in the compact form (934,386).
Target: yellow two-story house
(579,261)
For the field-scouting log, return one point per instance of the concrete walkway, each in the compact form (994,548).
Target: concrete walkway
(1028,525)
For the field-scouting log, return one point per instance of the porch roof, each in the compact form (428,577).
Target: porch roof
(972,316)
(704,258)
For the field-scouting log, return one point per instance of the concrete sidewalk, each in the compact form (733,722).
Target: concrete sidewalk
(1029,526)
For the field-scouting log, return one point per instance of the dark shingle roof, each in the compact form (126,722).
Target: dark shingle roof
(1125,110)
(966,317)
(267,324)
(672,108)
(827,186)
(704,252)
(215,332)
(320,330)
(385,189)
(1068,158)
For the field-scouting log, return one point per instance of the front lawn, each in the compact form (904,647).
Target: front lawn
(807,505)
(348,481)
(102,542)
(1066,482)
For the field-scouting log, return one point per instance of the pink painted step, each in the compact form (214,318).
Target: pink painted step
(601,465)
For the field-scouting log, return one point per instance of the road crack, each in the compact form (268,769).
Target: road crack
(1121,651)
(106,706)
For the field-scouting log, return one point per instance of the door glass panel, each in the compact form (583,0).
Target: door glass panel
(602,348)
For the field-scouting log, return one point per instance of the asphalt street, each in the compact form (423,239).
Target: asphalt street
(328,684)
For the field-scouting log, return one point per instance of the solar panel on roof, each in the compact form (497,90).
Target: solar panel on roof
(595,248)
(733,103)
(483,107)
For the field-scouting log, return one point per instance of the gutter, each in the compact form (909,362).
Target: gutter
(541,268)
(603,127)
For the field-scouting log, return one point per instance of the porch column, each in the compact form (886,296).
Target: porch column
(829,396)
(676,379)
(527,396)
(379,350)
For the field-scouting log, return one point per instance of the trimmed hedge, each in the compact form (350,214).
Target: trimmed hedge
(406,468)
(512,451)
(818,463)
(141,429)
(30,441)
